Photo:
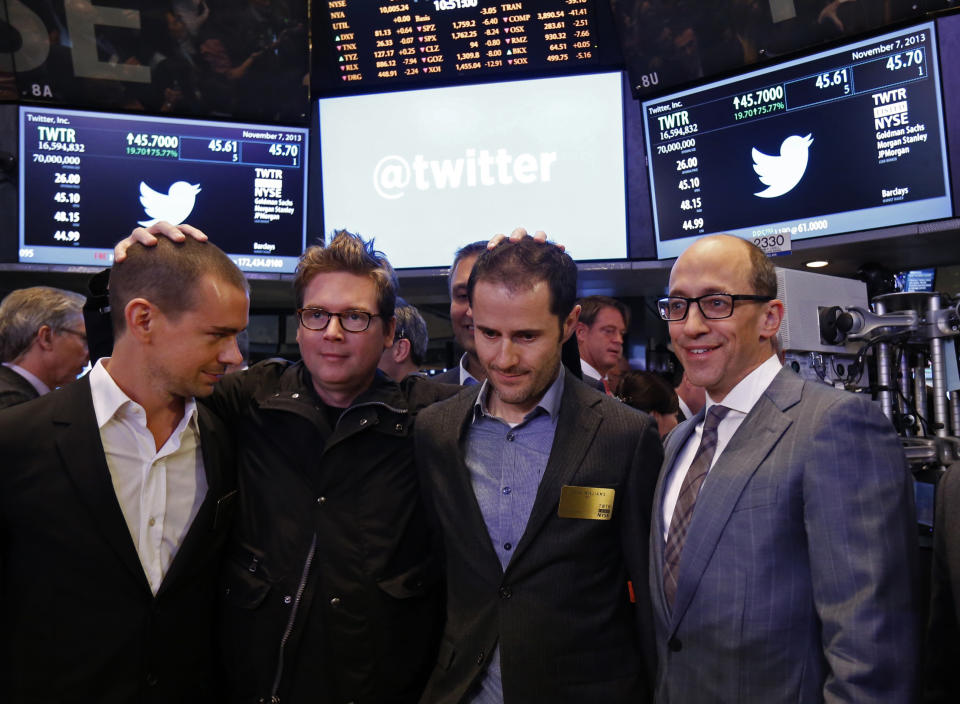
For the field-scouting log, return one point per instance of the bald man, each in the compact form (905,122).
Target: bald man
(783,539)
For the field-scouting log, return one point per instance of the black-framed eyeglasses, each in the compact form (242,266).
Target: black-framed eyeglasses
(713,306)
(350,320)
(81,335)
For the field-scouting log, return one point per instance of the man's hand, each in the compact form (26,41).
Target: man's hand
(147,237)
(517,235)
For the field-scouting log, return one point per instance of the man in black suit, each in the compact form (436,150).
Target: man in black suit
(115,496)
(541,488)
(43,342)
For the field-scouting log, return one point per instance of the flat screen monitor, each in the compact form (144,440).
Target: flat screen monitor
(917,280)
(88,178)
(427,171)
(368,45)
(843,140)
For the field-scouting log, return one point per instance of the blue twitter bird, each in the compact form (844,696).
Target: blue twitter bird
(782,173)
(174,206)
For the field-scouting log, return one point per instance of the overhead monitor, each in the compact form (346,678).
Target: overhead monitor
(369,45)
(670,44)
(427,171)
(843,140)
(88,178)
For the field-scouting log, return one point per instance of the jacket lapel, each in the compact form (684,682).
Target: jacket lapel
(760,431)
(78,442)
(576,426)
(455,423)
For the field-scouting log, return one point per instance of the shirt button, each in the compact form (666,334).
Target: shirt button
(335,602)
(507,546)
(294,395)
(506,592)
(152,521)
(506,490)
(510,437)
(321,499)
(287,599)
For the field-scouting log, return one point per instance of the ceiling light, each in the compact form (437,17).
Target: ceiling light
(817,263)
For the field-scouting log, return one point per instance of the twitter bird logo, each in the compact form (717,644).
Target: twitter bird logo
(174,206)
(782,173)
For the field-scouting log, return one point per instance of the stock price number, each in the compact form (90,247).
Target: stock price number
(691,204)
(224,146)
(166,141)
(837,78)
(906,59)
(66,236)
(694,224)
(453,4)
(62,197)
(69,179)
(284,149)
(686,184)
(758,97)
(688,163)
(62,216)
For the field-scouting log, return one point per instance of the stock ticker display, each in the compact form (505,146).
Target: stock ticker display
(87,179)
(383,42)
(843,140)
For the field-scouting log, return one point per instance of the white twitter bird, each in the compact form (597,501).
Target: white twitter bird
(782,173)
(174,206)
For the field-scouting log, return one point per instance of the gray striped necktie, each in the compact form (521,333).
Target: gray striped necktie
(689,489)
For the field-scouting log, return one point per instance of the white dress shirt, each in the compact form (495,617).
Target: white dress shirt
(740,400)
(160,491)
(589,371)
(29,376)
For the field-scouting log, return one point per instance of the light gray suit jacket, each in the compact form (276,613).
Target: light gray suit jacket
(797,581)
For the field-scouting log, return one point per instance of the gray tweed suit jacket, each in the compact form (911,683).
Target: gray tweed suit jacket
(797,578)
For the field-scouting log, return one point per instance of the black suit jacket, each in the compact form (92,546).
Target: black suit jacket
(14,389)
(561,611)
(78,621)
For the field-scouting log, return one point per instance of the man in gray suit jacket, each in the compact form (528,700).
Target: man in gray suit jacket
(789,577)
(541,488)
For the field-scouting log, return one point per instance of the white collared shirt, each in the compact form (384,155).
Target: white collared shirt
(466,378)
(589,371)
(160,491)
(740,400)
(29,376)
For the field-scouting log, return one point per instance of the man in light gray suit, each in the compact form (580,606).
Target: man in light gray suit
(783,556)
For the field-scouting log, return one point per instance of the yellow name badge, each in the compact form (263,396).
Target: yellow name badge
(595,504)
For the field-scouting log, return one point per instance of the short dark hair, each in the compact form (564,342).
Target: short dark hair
(647,391)
(467,250)
(520,265)
(590,307)
(353,254)
(764,273)
(167,276)
(411,326)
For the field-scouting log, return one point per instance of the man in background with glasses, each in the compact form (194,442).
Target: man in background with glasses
(43,342)
(783,540)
